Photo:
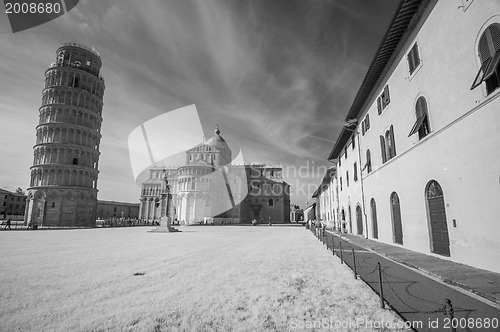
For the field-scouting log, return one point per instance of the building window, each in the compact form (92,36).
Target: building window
(355,172)
(345,151)
(340,183)
(386,99)
(422,124)
(53,204)
(382,149)
(489,54)
(347,178)
(365,125)
(75,161)
(383,100)
(413,58)
(388,145)
(368,161)
(353,142)
(271,202)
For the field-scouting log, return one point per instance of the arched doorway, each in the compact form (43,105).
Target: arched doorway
(374,219)
(37,213)
(359,220)
(440,241)
(397,227)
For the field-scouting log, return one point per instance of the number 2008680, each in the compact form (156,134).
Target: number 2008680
(32,8)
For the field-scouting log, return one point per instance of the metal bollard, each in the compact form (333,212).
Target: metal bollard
(354,265)
(381,291)
(448,311)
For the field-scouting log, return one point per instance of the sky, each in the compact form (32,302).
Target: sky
(277,76)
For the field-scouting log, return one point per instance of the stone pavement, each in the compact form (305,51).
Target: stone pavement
(481,282)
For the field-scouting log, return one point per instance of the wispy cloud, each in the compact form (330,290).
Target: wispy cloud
(278,77)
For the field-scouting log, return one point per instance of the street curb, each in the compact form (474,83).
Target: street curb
(434,275)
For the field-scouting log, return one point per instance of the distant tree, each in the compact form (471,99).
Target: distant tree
(19,191)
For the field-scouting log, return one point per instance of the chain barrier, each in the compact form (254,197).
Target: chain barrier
(322,236)
(395,293)
(374,270)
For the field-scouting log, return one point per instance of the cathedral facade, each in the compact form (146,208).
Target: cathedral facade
(209,186)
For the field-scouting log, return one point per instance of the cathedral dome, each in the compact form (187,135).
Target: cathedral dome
(220,144)
(217,141)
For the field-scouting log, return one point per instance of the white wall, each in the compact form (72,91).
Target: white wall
(462,152)
(350,196)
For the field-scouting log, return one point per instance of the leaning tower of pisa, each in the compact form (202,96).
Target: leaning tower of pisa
(63,188)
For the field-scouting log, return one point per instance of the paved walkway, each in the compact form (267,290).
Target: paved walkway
(422,301)
(481,282)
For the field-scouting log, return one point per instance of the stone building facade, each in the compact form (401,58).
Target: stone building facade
(326,196)
(209,186)
(11,203)
(296,213)
(63,187)
(112,209)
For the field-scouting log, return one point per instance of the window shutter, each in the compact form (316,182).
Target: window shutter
(480,74)
(421,107)
(368,161)
(367,120)
(413,58)
(484,50)
(379,105)
(410,61)
(393,142)
(417,125)
(493,65)
(382,148)
(416,56)
(387,98)
(363,128)
(489,53)
(495,36)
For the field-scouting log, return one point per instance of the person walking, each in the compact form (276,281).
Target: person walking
(7,224)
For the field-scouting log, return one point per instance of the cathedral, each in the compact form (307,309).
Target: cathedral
(211,187)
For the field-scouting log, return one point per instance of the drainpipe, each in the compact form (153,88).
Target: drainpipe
(361,182)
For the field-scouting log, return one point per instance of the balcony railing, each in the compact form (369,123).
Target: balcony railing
(83,47)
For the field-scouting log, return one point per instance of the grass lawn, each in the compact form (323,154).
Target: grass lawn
(203,279)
